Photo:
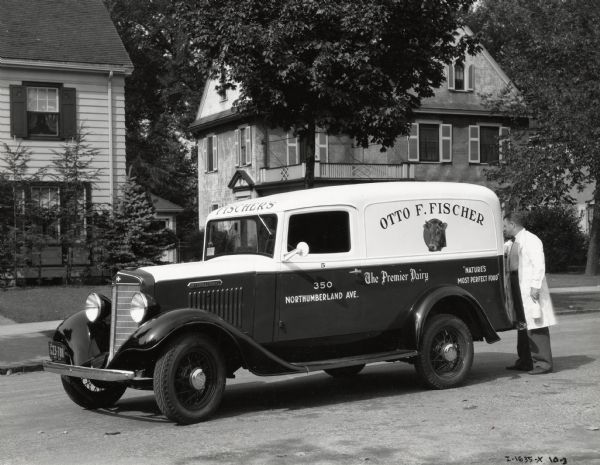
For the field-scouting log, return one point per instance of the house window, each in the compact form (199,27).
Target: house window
(430,143)
(461,77)
(211,154)
(332,235)
(486,143)
(321,146)
(56,209)
(43,111)
(292,149)
(244,142)
(44,206)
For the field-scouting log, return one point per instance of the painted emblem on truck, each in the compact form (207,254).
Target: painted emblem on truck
(434,234)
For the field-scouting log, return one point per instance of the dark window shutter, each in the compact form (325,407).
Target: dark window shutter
(68,113)
(18,111)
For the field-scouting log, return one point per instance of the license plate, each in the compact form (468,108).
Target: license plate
(57,351)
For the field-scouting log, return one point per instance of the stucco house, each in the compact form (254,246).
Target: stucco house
(63,67)
(453,138)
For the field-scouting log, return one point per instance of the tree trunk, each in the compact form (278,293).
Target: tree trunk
(308,145)
(591,266)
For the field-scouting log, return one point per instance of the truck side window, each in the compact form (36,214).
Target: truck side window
(324,232)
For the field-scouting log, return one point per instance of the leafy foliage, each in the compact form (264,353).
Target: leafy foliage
(162,93)
(550,49)
(558,228)
(72,169)
(17,234)
(130,236)
(353,67)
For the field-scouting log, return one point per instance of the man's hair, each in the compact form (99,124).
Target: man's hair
(516,216)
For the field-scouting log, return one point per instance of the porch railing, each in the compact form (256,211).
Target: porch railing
(339,171)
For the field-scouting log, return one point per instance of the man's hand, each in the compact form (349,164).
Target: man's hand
(535,294)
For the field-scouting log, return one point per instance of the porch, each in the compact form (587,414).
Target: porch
(342,172)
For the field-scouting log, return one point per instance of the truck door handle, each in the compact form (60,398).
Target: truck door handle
(355,271)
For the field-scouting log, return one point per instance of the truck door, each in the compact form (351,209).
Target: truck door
(318,295)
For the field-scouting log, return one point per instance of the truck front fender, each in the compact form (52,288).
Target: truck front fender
(152,335)
(84,340)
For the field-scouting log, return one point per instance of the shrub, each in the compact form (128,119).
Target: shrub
(564,243)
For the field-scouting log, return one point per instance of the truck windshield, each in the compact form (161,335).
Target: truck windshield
(247,235)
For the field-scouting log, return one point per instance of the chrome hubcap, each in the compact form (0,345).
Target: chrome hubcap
(450,352)
(198,379)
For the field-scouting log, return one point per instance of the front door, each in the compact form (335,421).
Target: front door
(319,294)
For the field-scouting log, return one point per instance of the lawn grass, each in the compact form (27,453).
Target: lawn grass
(572,280)
(47,303)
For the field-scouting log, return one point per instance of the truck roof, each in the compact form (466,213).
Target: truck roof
(357,195)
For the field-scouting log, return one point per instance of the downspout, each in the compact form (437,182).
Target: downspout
(111,168)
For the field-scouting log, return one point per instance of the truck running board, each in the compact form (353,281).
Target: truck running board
(350,361)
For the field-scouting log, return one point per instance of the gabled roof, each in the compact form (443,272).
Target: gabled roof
(163,205)
(62,31)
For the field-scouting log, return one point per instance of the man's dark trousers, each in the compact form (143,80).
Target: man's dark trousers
(533,346)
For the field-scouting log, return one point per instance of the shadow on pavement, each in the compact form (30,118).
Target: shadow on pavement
(318,389)
(490,366)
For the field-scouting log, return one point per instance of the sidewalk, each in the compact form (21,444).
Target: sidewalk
(24,346)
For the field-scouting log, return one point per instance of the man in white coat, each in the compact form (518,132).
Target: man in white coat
(531,297)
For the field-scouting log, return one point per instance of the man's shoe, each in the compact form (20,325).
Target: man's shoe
(518,367)
(540,371)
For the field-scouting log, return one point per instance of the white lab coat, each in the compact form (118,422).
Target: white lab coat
(532,270)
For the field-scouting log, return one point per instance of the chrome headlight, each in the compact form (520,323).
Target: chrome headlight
(96,306)
(139,307)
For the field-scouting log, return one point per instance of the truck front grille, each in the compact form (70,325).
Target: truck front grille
(121,324)
(226,303)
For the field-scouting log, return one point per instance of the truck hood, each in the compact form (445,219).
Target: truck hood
(220,266)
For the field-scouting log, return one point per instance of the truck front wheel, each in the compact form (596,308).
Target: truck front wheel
(446,352)
(92,394)
(189,379)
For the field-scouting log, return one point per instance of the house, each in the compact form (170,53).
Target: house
(454,137)
(166,215)
(62,68)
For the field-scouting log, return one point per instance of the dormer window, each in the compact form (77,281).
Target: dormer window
(461,77)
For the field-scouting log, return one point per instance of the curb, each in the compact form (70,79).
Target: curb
(18,369)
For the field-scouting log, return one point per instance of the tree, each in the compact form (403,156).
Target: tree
(17,231)
(355,67)
(558,228)
(73,170)
(550,50)
(130,235)
(162,93)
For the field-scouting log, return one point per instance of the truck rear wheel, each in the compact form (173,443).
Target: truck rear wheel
(189,379)
(92,394)
(446,352)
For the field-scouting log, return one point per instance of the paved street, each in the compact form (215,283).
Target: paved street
(380,417)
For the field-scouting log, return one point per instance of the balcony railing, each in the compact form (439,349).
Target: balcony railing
(339,171)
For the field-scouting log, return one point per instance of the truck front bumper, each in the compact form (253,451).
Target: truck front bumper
(89,373)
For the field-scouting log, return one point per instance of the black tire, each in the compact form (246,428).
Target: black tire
(92,394)
(192,359)
(345,372)
(446,352)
